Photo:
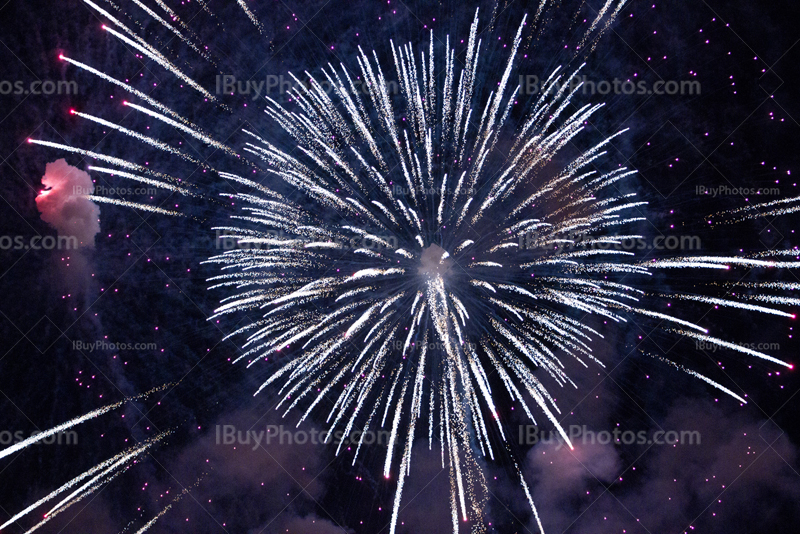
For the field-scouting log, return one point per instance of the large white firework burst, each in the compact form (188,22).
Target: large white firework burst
(435,242)
(420,252)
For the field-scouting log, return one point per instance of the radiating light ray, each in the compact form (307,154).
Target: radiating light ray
(171,28)
(143,138)
(156,104)
(76,421)
(698,376)
(167,508)
(733,346)
(103,157)
(142,46)
(142,179)
(135,205)
(89,491)
(257,23)
(746,212)
(103,468)
(731,304)
(194,132)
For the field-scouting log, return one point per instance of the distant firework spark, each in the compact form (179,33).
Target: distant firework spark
(436,248)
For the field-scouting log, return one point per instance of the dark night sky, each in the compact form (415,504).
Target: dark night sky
(143,282)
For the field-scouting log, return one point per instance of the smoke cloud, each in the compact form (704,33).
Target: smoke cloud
(63,205)
(742,477)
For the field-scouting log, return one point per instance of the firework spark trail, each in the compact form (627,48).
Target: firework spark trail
(64,426)
(142,179)
(110,159)
(698,376)
(104,468)
(100,478)
(745,212)
(156,104)
(784,252)
(167,508)
(250,15)
(614,11)
(127,165)
(784,286)
(142,46)
(190,129)
(174,16)
(135,205)
(109,470)
(153,521)
(143,138)
(683,263)
(733,346)
(89,491)
(773,299)
(76,421)
(171,28)
(730,304)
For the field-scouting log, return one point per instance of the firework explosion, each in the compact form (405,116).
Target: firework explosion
(425,252)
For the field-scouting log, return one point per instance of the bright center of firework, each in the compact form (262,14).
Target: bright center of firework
(435,261)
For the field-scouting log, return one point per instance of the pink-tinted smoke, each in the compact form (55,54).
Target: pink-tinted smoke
(63,205)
